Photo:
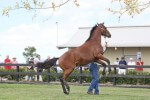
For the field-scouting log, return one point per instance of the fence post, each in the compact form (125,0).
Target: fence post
(48,76)
(37,76)
(115,72)
(17,75)
(80,80)
(39,71)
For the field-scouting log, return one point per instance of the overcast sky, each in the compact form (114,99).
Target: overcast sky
(19,30)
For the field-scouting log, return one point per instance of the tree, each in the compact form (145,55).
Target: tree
(36,5)
(29,52)
(130,7)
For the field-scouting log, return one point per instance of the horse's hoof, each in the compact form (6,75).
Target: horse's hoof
(68,89)
(66,93)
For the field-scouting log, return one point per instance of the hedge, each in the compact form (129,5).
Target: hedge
(74,77)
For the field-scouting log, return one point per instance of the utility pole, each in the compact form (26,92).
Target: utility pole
(57,32)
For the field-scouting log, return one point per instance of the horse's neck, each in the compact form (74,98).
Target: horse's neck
(96,36)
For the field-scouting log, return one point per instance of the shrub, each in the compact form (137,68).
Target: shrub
(86,77)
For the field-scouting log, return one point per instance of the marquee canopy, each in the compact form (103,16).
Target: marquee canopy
(122,36)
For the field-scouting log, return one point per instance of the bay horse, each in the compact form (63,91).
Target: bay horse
(90,51)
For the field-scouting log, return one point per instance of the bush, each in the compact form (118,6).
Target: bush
(75,77)
(12,77)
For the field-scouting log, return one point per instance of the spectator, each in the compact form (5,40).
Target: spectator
(131,62)
(30,69)
(38,69)
(14,61)
(0,68)
(0,60)
(59,70)
(48,58)
(94,69)
(7,61)
(37,59)
(122,69)
(139,63)
(117,63)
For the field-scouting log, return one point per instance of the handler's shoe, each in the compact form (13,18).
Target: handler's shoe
(96,93)
(89,92)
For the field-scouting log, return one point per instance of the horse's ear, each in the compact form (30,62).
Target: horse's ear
(103,23)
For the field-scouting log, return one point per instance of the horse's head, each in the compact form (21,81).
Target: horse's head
(104,30)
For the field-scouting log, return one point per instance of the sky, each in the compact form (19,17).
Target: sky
(19,30)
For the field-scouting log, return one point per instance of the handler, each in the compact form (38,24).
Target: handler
(94,69)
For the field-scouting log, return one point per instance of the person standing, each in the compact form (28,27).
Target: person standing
(30,69)
(117,63)
(48,58)
(14,61)
(122,69)
(139,63)
(132,63)
(94,69)
(7,61)
(39,69)
(0,60)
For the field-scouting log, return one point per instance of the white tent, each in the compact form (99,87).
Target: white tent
(122,36)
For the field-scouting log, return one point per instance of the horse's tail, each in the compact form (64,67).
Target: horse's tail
(47,64)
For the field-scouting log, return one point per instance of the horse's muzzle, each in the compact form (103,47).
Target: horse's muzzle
(109,36)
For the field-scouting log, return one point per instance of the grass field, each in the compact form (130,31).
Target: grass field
(54,92)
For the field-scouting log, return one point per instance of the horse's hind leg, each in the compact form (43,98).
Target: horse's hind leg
(64,84)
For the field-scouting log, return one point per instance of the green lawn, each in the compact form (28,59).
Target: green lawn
(54,92)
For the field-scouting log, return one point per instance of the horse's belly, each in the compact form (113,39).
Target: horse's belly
(83,61)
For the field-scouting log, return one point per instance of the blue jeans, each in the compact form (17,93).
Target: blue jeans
(94,69)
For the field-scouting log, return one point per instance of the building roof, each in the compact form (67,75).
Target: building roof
(122,36)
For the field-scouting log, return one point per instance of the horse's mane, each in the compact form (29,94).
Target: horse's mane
(91,32)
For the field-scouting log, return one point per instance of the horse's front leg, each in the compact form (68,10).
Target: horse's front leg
(100,56)
(103,64)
